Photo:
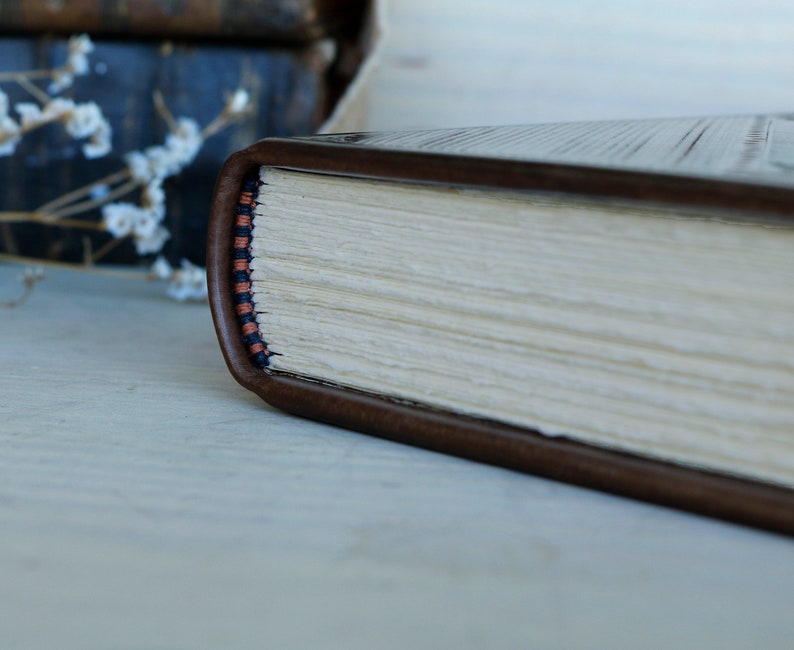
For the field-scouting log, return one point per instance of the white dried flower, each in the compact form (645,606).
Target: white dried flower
(188,283)
(9,136)
(9,129)
(145,225)
(99,192)
(99,144)
(58,108)
(76,63)
(238,102)
(123,219)
(161,161)
(153,197)
(119,218)
(161,269)
(32,274)
(32,115)
(79,47)
(84,120)
(184,143)
(154,242)
(138,166)
(29,114)
(61,80)
(80,121)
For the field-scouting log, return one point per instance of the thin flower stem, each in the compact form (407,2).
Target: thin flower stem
(87,250)
(104,269)
(84,206)
(27,74)
(215,126)
(161,107)
(17,217)
(73,223)
(106,248)
(27,289)
(33,89)
(7,239)
(49,220)
(28,128)
(80,192)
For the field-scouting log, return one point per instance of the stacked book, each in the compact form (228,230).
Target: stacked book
(293,58)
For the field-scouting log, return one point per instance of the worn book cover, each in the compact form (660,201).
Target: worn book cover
(642,345)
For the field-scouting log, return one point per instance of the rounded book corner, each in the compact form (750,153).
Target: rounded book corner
(729,498)
(220,251)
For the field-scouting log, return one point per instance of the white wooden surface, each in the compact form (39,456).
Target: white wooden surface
(148,502)
(475,62)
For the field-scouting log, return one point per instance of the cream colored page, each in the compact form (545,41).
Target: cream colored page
(668,335)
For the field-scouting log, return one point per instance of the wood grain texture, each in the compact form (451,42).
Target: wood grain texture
(147,501)
(755,149)
(466,63)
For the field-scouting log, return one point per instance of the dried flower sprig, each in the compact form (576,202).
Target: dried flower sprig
(150,167)
(81,121)
(31,276)
(145,171)
(189,282)
(76,64)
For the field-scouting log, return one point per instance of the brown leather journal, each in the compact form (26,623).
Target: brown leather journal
(730,172)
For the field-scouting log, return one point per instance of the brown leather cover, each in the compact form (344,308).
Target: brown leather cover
(260,20)
(724,497)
